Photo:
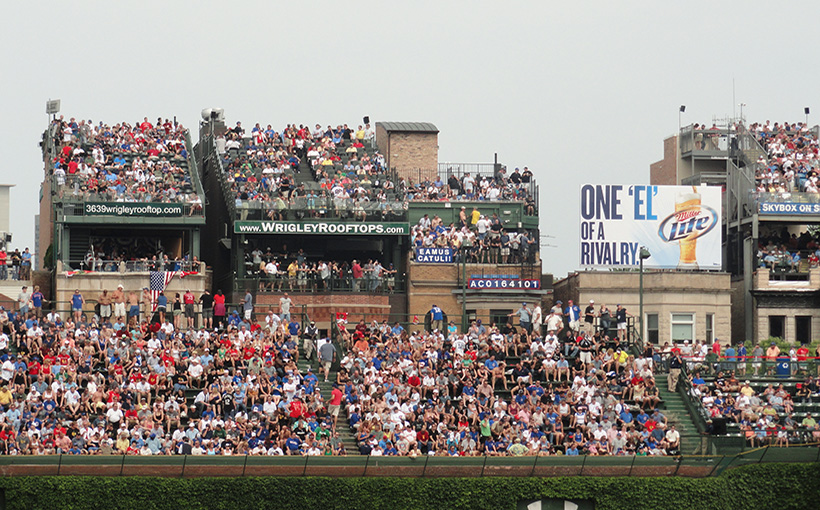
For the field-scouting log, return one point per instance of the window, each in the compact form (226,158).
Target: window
(777,326)
(499,316)
(652,328)
(802,324)
(683,327)
(710,328)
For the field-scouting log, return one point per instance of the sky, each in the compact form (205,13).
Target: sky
(580,92)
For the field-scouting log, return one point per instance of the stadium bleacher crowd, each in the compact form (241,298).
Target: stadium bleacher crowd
(106,383)
(143,162)
(501,390)
(764,412)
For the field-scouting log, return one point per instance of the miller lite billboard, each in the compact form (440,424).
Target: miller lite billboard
(678,225)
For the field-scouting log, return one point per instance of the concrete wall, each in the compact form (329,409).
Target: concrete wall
(91,286)
(5,207)
(323,307)
(439,284)
(785,298)
(665,293)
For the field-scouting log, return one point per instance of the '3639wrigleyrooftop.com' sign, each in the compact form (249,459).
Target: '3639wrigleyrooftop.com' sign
(126,209)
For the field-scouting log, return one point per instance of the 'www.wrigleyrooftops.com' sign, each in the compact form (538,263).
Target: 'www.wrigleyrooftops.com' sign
(320,228)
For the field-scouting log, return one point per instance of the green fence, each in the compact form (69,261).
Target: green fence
(424,466)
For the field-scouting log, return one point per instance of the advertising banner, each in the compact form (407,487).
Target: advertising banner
(678,225)
(787,208)
(320,228)
(134,209)
(434,255)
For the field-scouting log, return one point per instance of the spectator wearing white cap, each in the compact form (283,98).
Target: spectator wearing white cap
(589,317)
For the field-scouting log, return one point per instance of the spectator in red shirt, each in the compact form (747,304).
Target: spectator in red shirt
(188,299)
(356,269)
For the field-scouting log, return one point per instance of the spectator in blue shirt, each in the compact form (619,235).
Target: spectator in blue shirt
(436,318)
(573,315)
(37,299)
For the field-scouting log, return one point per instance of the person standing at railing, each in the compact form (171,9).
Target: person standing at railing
(285,302)
(77,302)
(741,357)
(189,300)
(757,358)
(573,316)
(25,265)
(37,298)
(3,261)
(24,301)
(206,301)
(437,318)
(147,304)
(771,354)
(357,273)
(219,308)
(589,317)
(247,305)
(15,264)
(524,317)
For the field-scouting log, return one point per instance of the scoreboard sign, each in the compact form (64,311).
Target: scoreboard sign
(503,283)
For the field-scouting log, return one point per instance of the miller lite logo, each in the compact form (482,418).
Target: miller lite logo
(688,223)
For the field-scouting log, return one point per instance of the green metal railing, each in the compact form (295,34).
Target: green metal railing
(334,283)
(423,466)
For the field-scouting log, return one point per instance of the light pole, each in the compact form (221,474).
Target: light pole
(642,255)
(463,290)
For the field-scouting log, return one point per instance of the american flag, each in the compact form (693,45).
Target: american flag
(159,280)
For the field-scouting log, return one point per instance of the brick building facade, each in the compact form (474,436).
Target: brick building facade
(410,148)
(677,305)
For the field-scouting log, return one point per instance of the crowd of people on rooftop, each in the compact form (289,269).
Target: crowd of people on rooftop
(143,162)
(475,238)
(111,257)
(791,162)
(349,175)
(299,272)
(15,264)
